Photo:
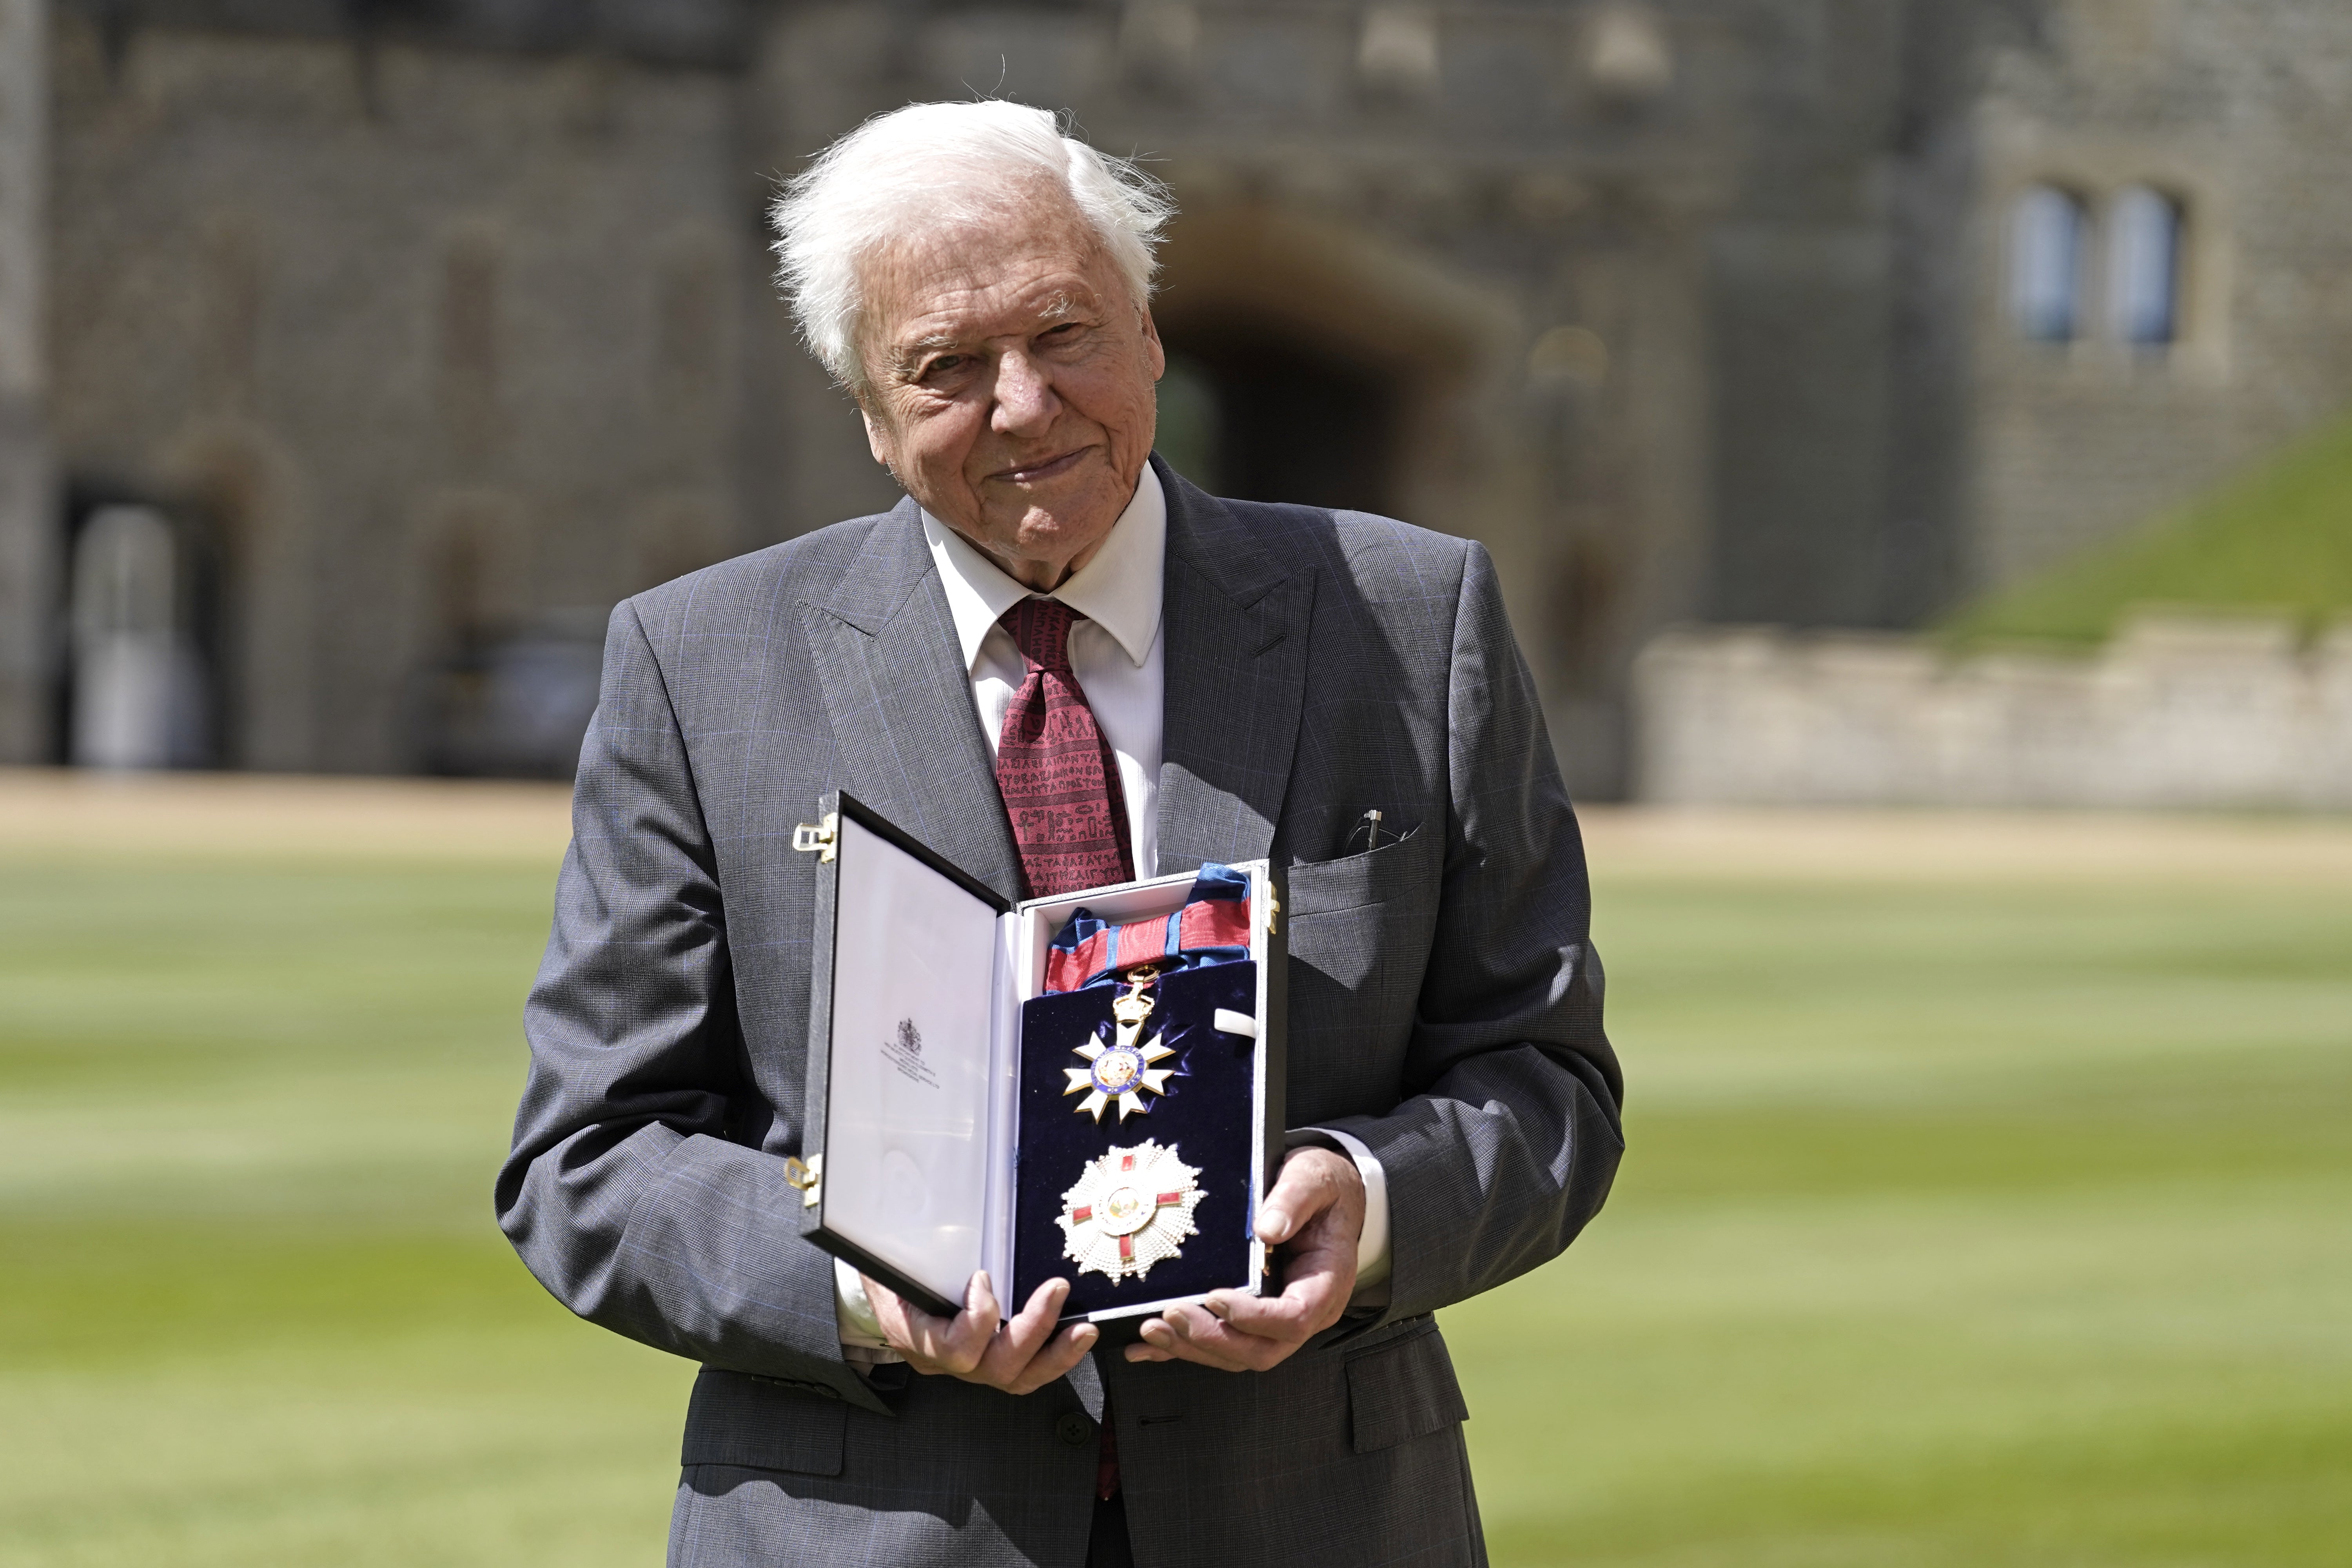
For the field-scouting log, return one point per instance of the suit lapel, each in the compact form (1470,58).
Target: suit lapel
(899,698)
(1235,620)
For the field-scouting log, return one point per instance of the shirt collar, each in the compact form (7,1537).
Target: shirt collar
(1118,590)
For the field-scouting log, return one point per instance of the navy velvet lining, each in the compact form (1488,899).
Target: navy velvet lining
(1206,1114)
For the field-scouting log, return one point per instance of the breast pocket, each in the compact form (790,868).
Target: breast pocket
(1359,939)
(1353,881)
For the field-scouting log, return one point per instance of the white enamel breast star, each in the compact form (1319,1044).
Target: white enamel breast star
(1128,1210)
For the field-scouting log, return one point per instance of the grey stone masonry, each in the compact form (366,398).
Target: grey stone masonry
(2237,112)
(2176,711)
(432,330)
(432,355)
(27,541)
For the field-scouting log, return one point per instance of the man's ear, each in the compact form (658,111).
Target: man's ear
(1152,349)
(877,437)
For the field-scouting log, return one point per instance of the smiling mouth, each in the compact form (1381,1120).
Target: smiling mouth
(1051,468)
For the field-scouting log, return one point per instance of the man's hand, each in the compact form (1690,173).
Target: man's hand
(1316,1213)
(1018,1357)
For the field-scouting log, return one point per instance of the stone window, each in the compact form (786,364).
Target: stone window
(2046,234)
(2143,247)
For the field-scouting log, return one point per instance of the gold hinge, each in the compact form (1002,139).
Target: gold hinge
(818,835)
(808,1177)
(1273,909)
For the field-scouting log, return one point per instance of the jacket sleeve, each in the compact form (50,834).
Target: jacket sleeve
(1508,1142)
(624,1193)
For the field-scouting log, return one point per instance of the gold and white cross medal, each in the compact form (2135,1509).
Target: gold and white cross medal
(1122,1070)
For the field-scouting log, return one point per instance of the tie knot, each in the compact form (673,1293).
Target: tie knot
(1041,630)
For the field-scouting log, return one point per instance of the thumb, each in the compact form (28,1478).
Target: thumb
(979,1301)
(982,1310)
(1299,1194)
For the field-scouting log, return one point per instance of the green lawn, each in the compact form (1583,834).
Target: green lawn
(1965,1223)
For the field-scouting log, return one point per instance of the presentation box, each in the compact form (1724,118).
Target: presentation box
(962,1115)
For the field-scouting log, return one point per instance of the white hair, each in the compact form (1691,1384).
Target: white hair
(936,164)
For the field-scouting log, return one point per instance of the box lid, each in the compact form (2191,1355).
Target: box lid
(901,1024)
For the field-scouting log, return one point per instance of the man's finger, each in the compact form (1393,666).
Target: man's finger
(1026,1356)
(1302,1190)
(954,1345)
(1056,1360)
(1029,1328)
(1207,1332)
(973,1330)
(1164,1343)
(1045,1305)
(903,1324)
(1290,1205)
(1310,1303)
(1269,1317)
(1189,1335)
(980,1300)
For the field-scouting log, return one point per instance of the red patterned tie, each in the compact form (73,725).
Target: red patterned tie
(1058,775)
(1060,782)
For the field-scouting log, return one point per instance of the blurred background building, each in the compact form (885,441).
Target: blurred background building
(357,355)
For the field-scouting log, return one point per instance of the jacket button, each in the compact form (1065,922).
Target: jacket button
(1075,1429)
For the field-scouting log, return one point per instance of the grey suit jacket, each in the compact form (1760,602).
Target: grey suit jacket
(1444,1007)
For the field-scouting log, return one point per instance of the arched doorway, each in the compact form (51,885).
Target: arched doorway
(1312,361)
(1253,410)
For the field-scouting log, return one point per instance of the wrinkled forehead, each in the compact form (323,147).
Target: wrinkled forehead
(997,267)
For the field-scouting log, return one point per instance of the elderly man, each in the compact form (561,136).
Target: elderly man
(1227,681)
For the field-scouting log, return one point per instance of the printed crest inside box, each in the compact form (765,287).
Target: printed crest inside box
(947,1130)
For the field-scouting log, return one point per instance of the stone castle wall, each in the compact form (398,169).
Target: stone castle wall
(432,345)
(2242,111)
(26,538)
(2176,711)
(442,333)
(448,324)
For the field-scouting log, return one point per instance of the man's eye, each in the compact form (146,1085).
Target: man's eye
(942,364)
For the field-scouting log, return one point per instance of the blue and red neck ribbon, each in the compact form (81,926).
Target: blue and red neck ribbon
(1213,927)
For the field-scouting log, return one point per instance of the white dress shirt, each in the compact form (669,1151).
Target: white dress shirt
(1115,652)
(1117,655)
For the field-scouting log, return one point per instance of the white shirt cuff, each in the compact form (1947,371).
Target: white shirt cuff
(1372,1257)
(854,1319)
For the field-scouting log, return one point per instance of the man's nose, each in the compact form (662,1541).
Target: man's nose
(1025,401)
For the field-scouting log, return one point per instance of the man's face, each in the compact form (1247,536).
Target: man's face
(1011,381)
